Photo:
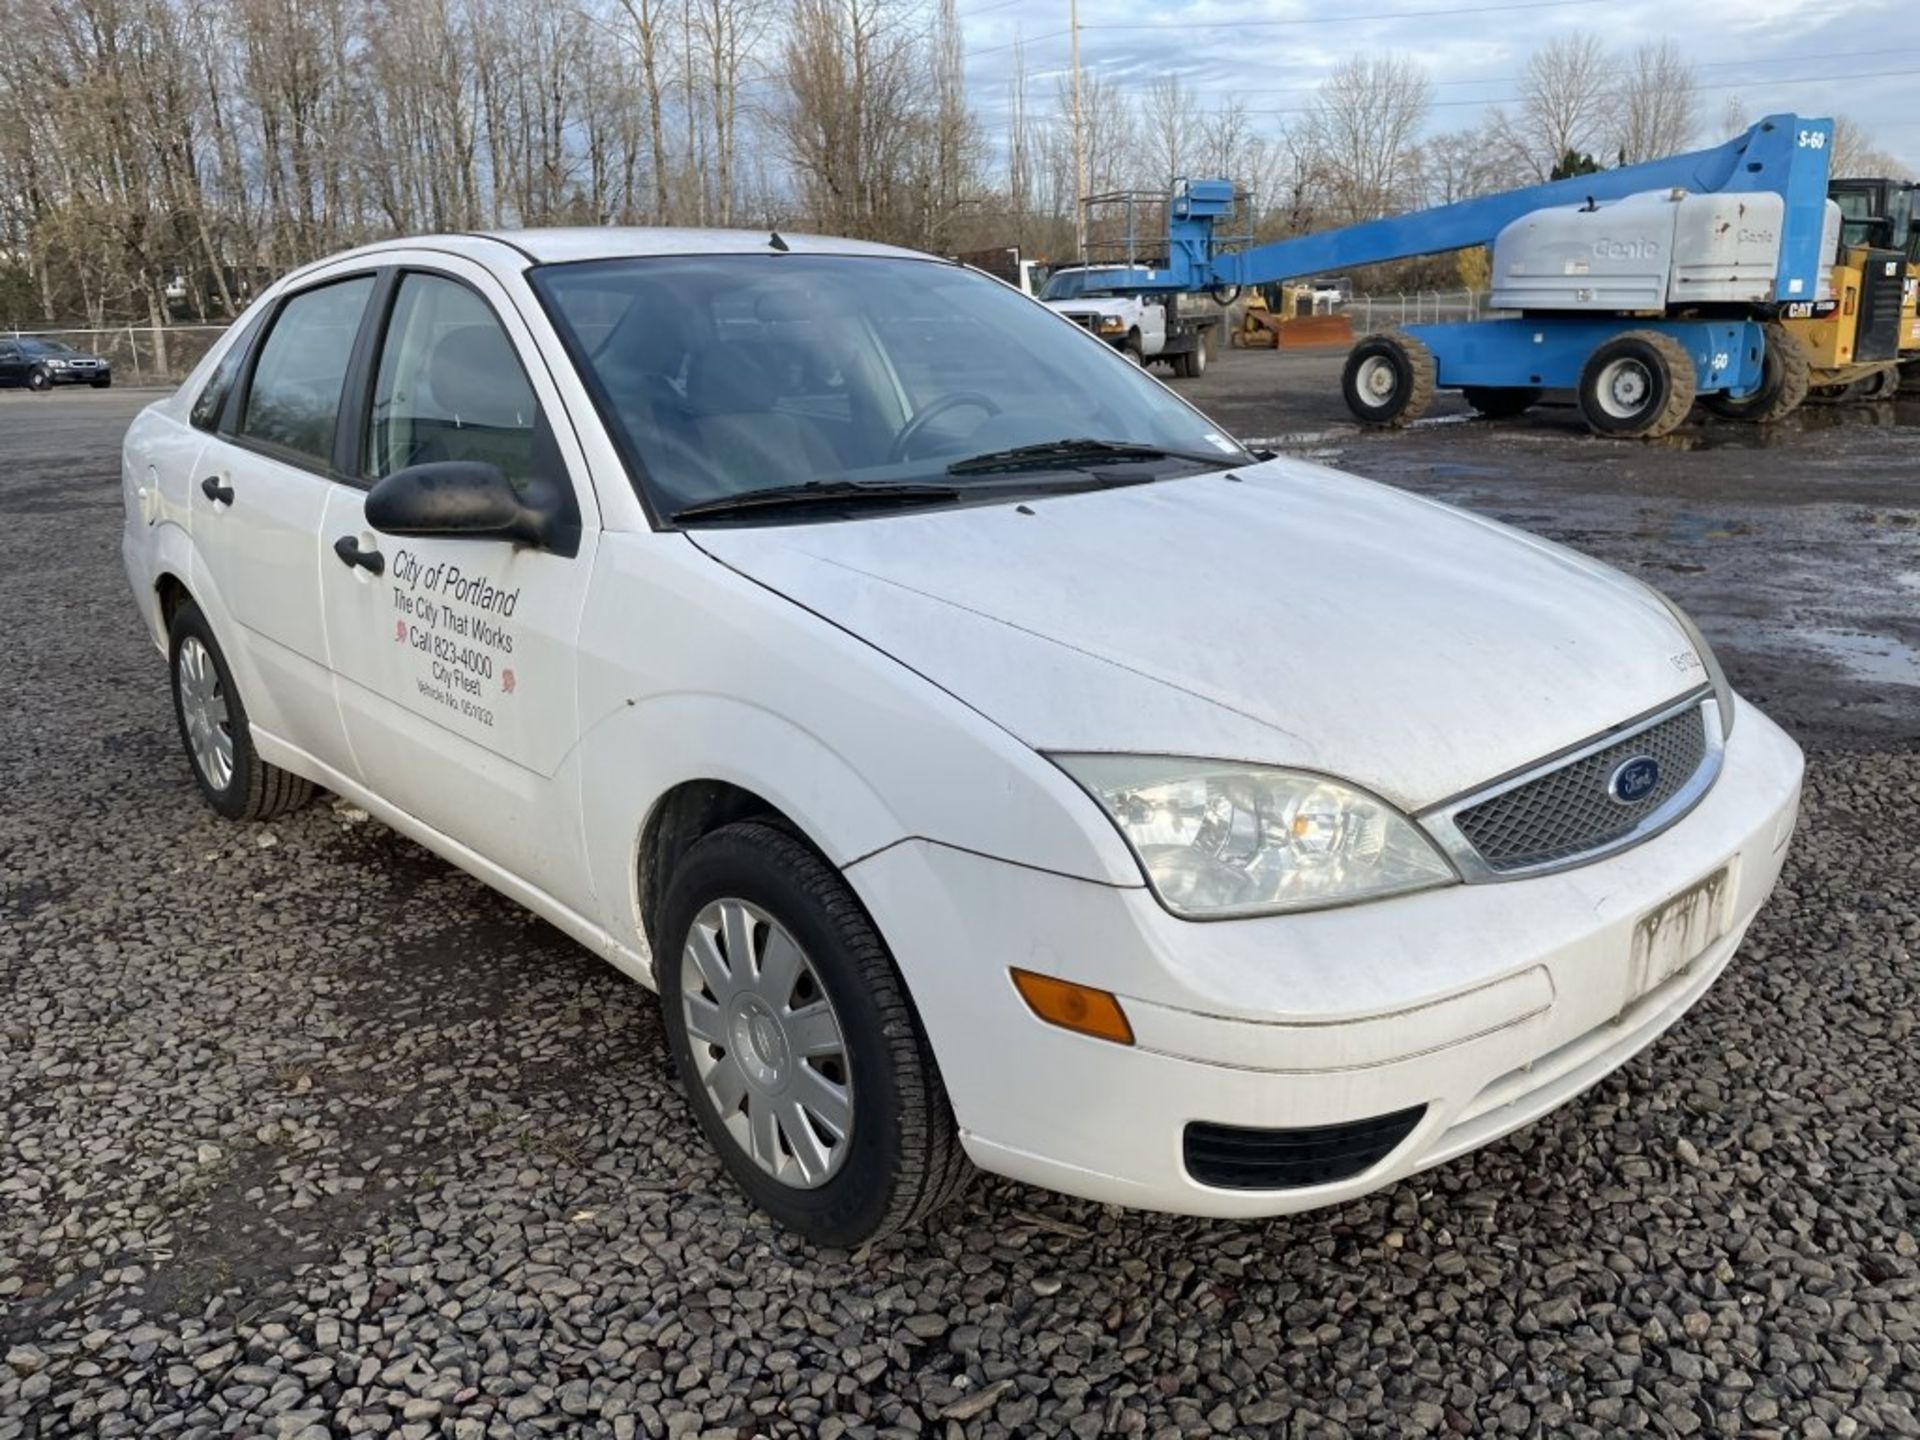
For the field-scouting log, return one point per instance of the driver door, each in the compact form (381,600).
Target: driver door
(454,656)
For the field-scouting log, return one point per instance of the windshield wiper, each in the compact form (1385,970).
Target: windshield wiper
(1073,453)
(819,492)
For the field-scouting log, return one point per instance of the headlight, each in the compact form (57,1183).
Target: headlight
(1716,677)
(56,363)
(1218,838)
(1112,322)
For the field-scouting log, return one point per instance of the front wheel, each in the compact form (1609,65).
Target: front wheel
(1637,384)
(1134,350)
(213,727)
(39,380)
(103,382)
(796,1042)
(1389,379)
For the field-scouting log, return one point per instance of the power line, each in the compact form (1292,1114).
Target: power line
(1351,18)
(1622,70)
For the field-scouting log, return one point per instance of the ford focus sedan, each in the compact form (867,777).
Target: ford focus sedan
(986,758)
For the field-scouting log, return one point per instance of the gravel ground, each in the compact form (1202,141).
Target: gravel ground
(303,1133)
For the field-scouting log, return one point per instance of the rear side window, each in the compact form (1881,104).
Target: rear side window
(212,399)
(294,400)
(449,386)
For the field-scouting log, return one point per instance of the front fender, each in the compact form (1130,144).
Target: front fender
(635,756)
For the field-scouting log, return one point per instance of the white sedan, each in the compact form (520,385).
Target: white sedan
(983,755)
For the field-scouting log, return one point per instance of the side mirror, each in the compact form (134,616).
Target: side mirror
(472,499)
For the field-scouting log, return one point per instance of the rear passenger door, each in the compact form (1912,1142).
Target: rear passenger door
(256,498)
(454,656)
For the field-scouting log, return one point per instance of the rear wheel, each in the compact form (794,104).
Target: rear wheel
(1883,385)
(796,1042)
(1389,379)
(1637,384)
(1193,364)
(1786,376)
(213,727)
(1500,402)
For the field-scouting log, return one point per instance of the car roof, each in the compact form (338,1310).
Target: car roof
(561,245)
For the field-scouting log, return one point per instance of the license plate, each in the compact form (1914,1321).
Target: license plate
(1669,939)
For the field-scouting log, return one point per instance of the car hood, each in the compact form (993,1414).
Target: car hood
(1293,616)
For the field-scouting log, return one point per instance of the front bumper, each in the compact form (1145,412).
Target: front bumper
(1487,1004)
(91,376)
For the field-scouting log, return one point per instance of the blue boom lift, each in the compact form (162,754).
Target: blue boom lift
(1641,288)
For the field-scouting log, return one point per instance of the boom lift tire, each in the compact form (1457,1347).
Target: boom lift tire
(1640,384)
(1883,385)
(1388,379)
(1500,402)
(1786,376)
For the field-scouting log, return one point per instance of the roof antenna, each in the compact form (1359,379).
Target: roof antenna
(773,239)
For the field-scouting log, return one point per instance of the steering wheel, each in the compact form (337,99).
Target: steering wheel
(959,399)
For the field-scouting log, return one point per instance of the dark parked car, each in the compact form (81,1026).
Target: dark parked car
(42,364)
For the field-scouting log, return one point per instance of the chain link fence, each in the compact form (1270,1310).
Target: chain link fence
(1424,307)
(140,354)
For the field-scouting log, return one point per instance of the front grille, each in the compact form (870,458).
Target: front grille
(1569,811)
(1083,320)
(1232,1158)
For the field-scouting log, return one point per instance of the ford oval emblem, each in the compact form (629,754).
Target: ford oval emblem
(1633,780)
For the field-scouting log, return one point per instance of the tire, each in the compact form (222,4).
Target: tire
(1388,379)
(1133,349)
(203,692)
(1637,384)
(1501,402)
(101,384)
(39,381)
(1883,385)
(896,1159)
(1786,377)
(1910,377)
(1191,364)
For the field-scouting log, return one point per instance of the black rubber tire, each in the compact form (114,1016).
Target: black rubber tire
(102,384)
(1191,364)
(1884,385)
(906,1161)
(1910,377)
(39,381)
(1414,376)
(1501,402)
(1786,378)
(1670,393)
(256,790)
(1133,349)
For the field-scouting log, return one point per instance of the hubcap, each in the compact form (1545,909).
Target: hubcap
(767,1043)
(1376,380)
(1624,388)
(203,710)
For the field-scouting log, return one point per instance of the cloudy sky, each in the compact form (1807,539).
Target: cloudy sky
(1860,58)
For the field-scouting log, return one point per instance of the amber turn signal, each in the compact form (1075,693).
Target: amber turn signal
(1074,1007)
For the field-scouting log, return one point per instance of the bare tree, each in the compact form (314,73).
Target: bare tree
(1655,108)
(1170,123)
(1363,131)
(1563,106)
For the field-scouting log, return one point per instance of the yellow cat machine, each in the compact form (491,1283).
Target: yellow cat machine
(1845,344)
(1886,213)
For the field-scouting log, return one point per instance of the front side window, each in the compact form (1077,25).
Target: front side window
(728,374)
(449,386)
(294,400)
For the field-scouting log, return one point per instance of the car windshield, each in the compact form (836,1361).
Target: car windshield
(1093,284)
(728,375)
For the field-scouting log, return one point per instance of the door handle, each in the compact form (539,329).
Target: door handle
(350,553)
(216,492)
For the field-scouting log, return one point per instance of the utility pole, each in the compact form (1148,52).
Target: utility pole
(1079,140)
